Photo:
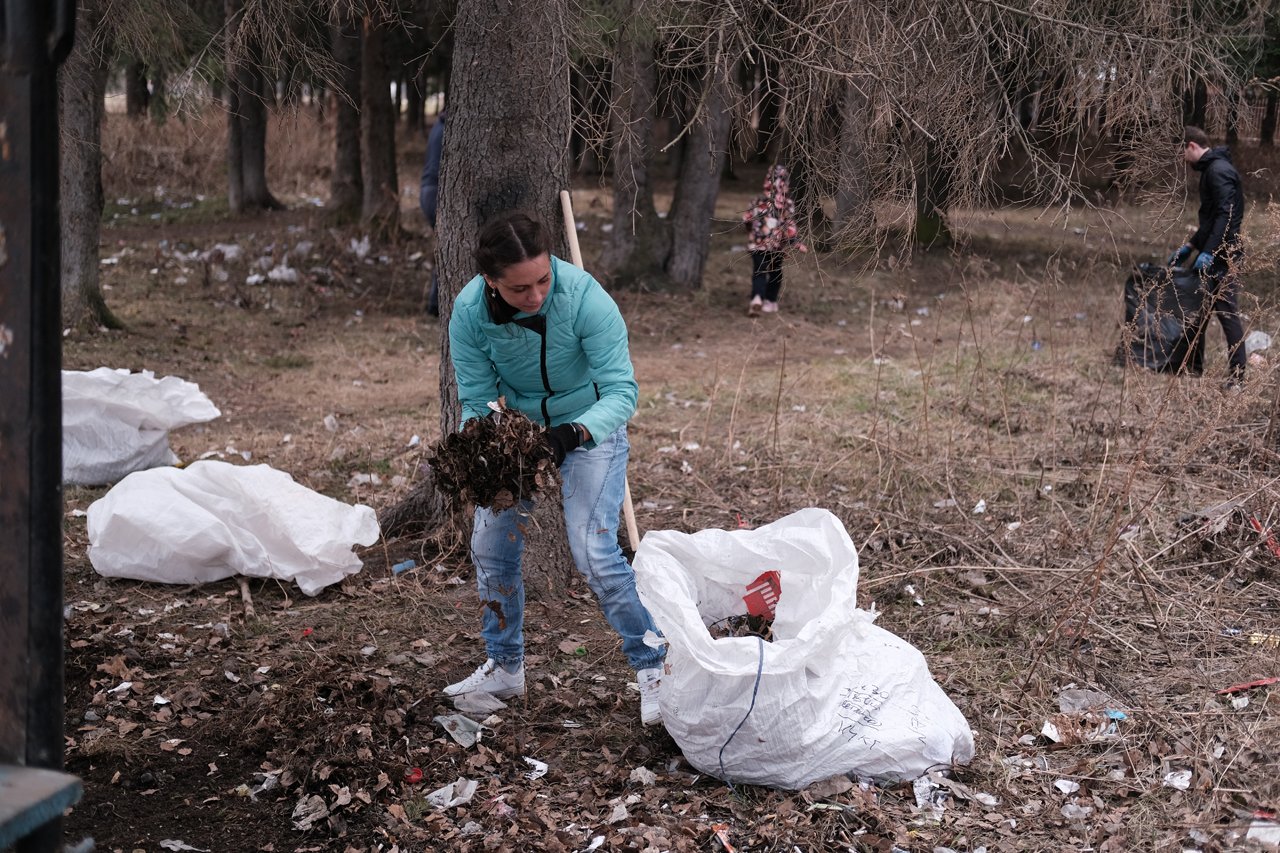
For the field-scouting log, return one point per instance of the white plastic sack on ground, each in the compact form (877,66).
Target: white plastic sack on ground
(213,520)
(115,422)
(831,694)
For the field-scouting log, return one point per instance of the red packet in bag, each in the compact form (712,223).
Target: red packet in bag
(762,595)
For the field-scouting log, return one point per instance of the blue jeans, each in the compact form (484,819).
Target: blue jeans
(593,487)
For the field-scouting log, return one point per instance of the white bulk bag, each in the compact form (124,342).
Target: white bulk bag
(832,693)
(115,422)
(213,520)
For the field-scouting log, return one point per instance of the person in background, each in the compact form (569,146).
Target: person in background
(1215,249)
(771,219)
(429,199)
(545,336)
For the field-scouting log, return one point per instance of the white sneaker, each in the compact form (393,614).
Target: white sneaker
(650,710)
(492,679)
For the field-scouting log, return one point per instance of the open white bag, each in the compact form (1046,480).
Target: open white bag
(831,694)
(213,520)
(115,422)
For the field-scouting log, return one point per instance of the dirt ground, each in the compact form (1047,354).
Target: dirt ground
(1024,511)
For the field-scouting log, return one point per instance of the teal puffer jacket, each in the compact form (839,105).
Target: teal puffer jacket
(578,370)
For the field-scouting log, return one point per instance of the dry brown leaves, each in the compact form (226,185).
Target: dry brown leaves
(494,461)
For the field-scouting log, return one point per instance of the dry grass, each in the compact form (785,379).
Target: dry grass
(896,393)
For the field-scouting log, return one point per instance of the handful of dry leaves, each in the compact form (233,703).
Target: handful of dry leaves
(494,461)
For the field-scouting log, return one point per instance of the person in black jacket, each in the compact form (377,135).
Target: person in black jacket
(1215,246)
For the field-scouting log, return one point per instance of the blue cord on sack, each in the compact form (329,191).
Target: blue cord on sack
(754,691)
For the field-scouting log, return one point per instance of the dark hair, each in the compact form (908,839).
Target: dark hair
(1191,133)
(508,240)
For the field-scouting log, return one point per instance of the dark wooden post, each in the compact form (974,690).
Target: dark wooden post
(35,36)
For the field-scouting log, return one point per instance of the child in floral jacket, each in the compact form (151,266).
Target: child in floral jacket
(771,219)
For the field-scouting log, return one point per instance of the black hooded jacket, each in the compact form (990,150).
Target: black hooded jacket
(1221,205)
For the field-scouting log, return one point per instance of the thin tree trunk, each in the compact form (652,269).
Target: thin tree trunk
(698,185)
(82,83)
(640,240)
(136,93)
(855,217)
(767,136)
(413,115)
(933,195)
(1267,132)
(380,208)
(346,184)
(253,129)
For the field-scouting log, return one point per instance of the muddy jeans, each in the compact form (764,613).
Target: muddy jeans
(593,487)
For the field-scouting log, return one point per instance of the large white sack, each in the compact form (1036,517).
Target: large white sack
(115,422)
(833,693)
(213,520)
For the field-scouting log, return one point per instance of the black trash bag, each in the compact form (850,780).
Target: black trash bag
(1163,320)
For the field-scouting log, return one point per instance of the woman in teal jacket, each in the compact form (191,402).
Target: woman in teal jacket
(547,337)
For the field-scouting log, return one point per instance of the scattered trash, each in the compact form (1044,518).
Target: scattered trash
(643,775)
(762,594)
(212,520)
(1071,811)
(454,794)
(1178,779)
(1249,685)
(331,423)
(720,832)
(464,730)
(1267,536)
(1074,700)
(403,567)
(1264,832)
(1240,702)
(931,798)
(980,507)
(893,720)
(1013,525)
(478,702)
(175,844)
(115,422)
(308,812)
(1257,638)
(413,775)
(1256,341)
(945,503)
(539,768)
(1067,786)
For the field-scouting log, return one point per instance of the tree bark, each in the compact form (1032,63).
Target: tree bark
(380,207)
(640,240)
(854,215)
(1267,132)
(933,195)
(416,95)
(82,83)
(246,122)
(767,136)
(136,93)
(698,185)
(528,90)
(346,183)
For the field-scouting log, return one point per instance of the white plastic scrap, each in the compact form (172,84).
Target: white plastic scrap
(539,768)
(643,775)
(464,730)
(454,794)
(1067,786)
(1264,832)
(177,844)
(309,811)
(1179,780)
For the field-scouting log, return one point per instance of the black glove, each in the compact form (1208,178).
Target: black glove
(563,439)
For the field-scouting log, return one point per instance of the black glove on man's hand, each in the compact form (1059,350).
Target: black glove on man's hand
(562,439)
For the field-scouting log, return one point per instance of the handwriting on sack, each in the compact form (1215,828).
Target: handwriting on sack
(861,708)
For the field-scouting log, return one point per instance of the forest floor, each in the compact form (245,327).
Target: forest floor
(1025,512)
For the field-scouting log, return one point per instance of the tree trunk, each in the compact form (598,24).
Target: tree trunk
(640,240)
(246,123)
(1195,103)
(767,136)
(855,216)
(82,83)
(499,172)
(698,185)
(380,208)
(933,195)
(1267,132)
(346,184)
(136,93)
(416,93)
(158,99)
(1233,117)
